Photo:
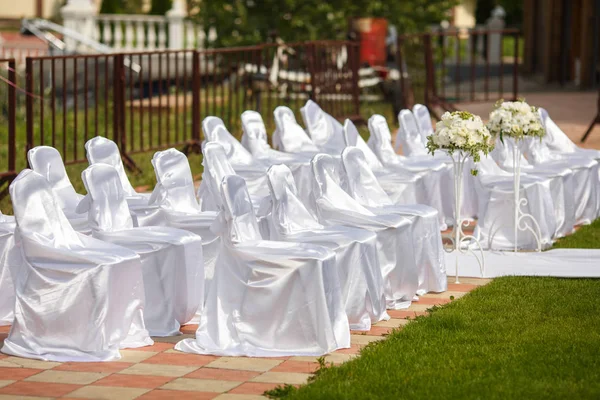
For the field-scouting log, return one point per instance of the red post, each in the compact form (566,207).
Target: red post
(196,97)
(12,77)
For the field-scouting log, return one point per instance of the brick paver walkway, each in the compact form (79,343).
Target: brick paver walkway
(159,372)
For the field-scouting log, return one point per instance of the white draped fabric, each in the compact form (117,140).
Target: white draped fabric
(77,298)
(171,258)
(289,135)
(355,249)
(395,249)
(7,289)
(174,194)
(268,299)
(438,178)
(495,224)
(46,161)
(324,130)
(254,139)
(104,151)
(427,239)
(559,142)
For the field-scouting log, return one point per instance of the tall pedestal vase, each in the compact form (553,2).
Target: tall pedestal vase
(461,242)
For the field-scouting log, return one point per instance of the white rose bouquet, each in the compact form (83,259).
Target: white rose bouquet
(515,119)
(461,131)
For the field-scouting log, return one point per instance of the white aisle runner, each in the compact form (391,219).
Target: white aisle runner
(565,263)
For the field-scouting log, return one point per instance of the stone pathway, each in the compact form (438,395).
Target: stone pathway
(159,372)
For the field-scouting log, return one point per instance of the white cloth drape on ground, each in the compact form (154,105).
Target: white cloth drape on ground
(174,194)
(77,298)
(254,139)
(47,162)
(355,249)
(395,250)
(267,298)
(427,239)
(105,151)
(289,135)
(7,288)
(496,207)
(171,258)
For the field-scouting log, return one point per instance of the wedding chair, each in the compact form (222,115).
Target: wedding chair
(438,178)
(7,253)
(395,249)
(325,131)
(100,150)
(362,185)
(171,258)
(46,161)
(355,249)
(174,194)
(424,123)
(558,142)
(289,136)
(268,298)
(77,298)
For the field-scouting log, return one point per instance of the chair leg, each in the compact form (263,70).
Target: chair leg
(590,128)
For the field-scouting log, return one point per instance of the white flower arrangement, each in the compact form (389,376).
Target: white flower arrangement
(515,119)
(461,131)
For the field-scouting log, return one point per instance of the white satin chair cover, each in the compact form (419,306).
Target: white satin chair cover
(427,239)
(496,207)
(423,119)
(409,135)
(561,178)
(268,298)
(289,135)
(46,161)
(243,163)
(77,298)
(171,258)
(438,175)
(559,142)
(102,150)
(324,130)
(333,206)
(254,139)
(174,194)
(355,249)
(7,288)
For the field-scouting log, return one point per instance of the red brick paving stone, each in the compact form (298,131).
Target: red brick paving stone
(223,374)
(4,329)
(253,388)
(189,329)
(134,381)
(157,347)
(46,389)
(106,367)
(162,394)
(17,374)
(432,301)
(2,356)
(354,349)
(461,287)
(305,367)
(180,359)
(404,313)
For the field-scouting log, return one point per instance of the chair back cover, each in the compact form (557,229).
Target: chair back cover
(38,213)
(353,138)
(105,151)
(209,124)
(175,181)
(46,161)
(555,138)
(328,183)
(409,135)
(423,117)
(362,183)
(216,167)
(237,210)
(289,135)
(254,137)
(288,213)
(108,210)
(324,130)
(236,153)
(380,140)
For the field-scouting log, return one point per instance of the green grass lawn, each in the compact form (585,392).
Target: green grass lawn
(515,338)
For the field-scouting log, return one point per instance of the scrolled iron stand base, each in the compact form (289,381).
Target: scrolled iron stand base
(462,243)
(521,218)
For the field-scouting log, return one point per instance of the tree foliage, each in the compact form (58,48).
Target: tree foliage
(253,21)
(513,8)
(160,7)
(121,7)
